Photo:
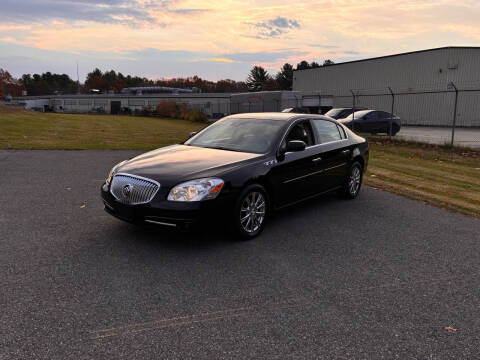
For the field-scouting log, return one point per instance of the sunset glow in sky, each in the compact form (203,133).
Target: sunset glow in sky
(217,39)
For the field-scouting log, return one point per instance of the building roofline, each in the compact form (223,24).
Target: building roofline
(393,55)
(131,96)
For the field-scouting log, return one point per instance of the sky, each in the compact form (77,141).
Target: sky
(218,39)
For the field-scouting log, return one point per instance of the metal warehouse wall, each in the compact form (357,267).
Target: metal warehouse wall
(264,101)
(418,79)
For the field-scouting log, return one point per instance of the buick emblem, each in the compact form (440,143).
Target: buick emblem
(127,189)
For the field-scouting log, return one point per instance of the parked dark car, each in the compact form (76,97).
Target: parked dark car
(372,121)
(237,171)
(297,110)
(340,113)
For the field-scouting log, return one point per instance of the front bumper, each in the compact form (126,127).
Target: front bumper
(173,214)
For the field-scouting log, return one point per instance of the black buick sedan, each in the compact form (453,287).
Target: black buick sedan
(237,171)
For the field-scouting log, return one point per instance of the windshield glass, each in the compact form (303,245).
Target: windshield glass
(358,114)
(246,135)
(333,112)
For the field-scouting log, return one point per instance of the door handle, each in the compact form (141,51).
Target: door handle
(346,151)
(317,159)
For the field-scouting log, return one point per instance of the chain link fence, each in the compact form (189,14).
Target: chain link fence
(448,116)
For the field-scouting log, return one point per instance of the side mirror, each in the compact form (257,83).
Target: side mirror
(192,134)
(296,145)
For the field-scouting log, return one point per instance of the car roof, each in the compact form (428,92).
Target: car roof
(363,112)
(278,116)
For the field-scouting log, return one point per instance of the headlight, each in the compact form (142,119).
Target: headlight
(112,172)
(196,190)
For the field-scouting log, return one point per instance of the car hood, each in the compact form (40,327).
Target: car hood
(177,163)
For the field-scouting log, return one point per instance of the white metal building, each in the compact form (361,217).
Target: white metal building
(419,81)
(211,104)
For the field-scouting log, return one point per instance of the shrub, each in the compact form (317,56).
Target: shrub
(197,115)
(171,109)
(167,108)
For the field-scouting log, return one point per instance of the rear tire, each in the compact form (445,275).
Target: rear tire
(353,181)
(250,212)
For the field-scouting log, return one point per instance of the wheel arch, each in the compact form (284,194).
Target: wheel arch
(361,160)
(263,181)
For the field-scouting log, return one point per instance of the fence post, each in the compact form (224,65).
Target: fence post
(454,113)
(353,108)
(391,113)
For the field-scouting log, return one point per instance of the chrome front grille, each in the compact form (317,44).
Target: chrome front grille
(133,190)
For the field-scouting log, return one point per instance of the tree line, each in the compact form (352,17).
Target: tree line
(48,83)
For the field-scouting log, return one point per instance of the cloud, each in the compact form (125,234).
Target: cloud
(225,60)
(128,12)
(274,27)
(188,11)
(324,46)
(262,57)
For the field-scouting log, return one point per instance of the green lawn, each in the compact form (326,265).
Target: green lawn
(434,174)
(20,129)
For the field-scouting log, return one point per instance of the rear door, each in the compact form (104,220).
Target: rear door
(334,154)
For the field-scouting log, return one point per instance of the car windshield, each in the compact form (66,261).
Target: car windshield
(333,112)
(358,114)
(245,135)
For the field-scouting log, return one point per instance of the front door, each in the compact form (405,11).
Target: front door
(293,174)
(369,122)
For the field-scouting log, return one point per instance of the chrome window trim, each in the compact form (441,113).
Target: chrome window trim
(311,146)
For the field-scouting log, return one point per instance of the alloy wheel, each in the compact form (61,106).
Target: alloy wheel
(252,212)
(354,181)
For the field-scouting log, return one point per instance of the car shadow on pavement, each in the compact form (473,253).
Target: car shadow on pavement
(304,208)
(157,236)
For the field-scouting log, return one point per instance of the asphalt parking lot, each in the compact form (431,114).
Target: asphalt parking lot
(378,277)
(469,137)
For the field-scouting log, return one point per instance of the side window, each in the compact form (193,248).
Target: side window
(327,131)
(301,131)
(372,115)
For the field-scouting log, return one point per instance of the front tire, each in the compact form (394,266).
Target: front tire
(353,182)
(250,212)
